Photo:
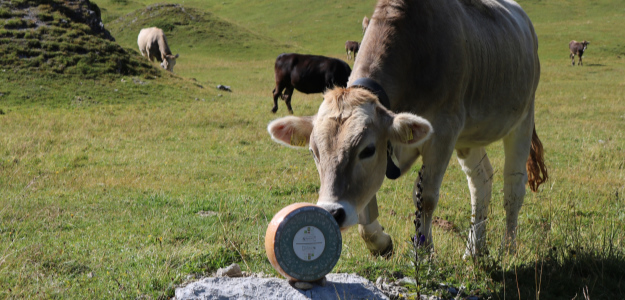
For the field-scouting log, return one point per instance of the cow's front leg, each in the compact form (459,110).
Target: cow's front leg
(377,241)
(436,156)
(479,171)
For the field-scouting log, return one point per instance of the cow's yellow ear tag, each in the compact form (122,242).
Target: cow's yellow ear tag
(409,136)
(298,141)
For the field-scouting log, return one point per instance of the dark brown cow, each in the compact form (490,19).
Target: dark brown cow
(351,47)
(308,74)
(578,49)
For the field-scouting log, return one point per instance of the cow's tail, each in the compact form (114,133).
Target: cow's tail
(536,169)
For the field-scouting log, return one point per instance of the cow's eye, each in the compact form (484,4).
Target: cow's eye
(367,152)
(313,154)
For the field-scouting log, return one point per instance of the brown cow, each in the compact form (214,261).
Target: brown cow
(578,49)
(429,57)
(351,47)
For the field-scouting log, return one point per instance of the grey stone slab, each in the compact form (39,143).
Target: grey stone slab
(338,286)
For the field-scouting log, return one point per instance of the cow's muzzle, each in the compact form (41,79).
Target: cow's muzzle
(343,212)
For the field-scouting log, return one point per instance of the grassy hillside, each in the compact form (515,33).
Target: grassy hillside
(193,31)
(120,185)
(320,27)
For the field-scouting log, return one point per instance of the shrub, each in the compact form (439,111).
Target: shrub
(34,44)
(15,24)
(31,34)
(6,33)
(5,13)
(46,17)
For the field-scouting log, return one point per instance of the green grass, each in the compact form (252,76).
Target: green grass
(104,179)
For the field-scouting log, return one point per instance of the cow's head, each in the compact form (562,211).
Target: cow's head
(169,61)
(348,139)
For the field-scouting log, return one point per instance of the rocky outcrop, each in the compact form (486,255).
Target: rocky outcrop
(63,36)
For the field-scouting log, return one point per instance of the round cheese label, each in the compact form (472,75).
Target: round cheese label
(309,243)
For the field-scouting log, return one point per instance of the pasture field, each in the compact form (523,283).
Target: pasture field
(122,186)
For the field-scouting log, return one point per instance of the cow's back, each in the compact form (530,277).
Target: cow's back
(503,42)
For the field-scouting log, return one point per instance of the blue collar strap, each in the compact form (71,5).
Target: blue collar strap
(374,87)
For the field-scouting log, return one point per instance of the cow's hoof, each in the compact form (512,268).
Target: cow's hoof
(274,110)
(290,111)
(386,253)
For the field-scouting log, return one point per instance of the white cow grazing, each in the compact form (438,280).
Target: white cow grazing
(153,45)
(469,69)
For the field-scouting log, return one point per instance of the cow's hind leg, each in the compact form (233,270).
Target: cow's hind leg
(479,171)
(580,60)
(288,92)
(517,148)
(377,241)
(277,93)
(572,56)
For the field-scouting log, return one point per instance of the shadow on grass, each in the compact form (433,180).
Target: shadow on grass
(571,275)
(594,65)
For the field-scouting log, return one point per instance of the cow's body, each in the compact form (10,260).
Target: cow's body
(470,69)
(578,49)
(308,74)
(153,45)
(351,48)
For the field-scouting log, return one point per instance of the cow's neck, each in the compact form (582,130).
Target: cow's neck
(405,55)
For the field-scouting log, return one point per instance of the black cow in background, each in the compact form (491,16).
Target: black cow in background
(308,74)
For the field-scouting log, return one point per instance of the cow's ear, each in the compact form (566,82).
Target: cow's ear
(291,131)
(409,129)
(176,55)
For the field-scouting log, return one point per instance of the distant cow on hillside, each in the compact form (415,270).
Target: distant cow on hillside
(351,47)
(365,24)
(153,45)
(308,74)
(578,49)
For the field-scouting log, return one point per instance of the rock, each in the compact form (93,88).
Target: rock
(302,285)
(232,270)
(206,213)
(352,285)
(322,282)
(406,281)
(224,88)
(381,280)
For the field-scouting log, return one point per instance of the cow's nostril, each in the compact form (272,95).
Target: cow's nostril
(339,215)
